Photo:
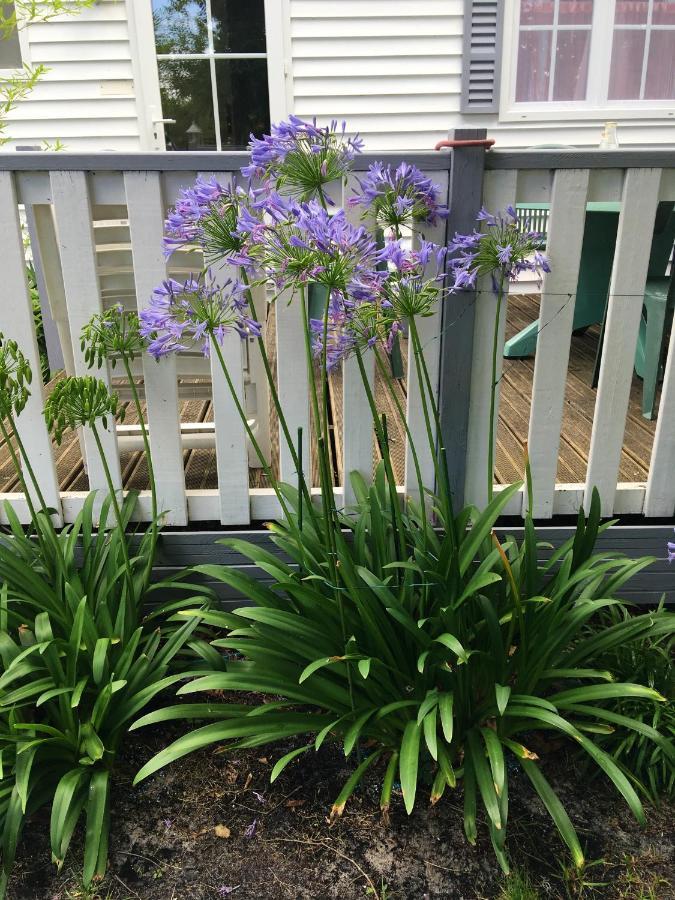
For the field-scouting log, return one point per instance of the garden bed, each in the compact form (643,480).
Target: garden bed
(212,826)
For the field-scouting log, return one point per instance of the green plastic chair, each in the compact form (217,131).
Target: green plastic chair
(657,317)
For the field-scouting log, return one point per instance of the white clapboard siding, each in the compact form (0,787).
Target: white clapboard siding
(87,98)
(660,496)
(16,322)
(629,274)
(393,70)
(556,315)
(499,191)
(293,384)
(146,218)
(73,216)
(428,328)
(357,418)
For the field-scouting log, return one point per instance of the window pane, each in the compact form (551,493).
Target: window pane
(186,97)
(625,73)
(663,12)
(180,26)
(534,63)
(631,12)
(536,12)
(660,82)
(571,65)
(575,12)
(238,27)
(243,102)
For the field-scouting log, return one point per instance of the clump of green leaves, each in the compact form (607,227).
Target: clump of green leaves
(441,649)
(80,401)
(648,765)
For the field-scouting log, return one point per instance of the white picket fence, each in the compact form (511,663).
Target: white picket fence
(76,208)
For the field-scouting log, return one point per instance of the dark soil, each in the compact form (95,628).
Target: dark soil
(211,826)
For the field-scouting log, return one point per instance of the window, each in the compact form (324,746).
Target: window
(594,53)
(10,47)
(212,71)
(643,51)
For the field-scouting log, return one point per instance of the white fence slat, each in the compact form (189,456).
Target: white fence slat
(231,449)
(257,388)
(499,191)
(146,225)
(627,284)
(357,418)
(556,315)
(660,496)
(73,216)
(16,322)
(292,384)
(428,328)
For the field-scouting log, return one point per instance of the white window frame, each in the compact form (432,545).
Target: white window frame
(596,106)
(147,70)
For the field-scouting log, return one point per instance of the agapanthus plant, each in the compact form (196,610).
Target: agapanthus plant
(399,197)
(300,158)
(403,628)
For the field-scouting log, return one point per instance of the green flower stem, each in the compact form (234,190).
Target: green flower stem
(19,469)
(151,471)
(427,395)
(493,391)
(249,431)
(386,377)
(27,463)
(386,458)
(275,398)
(117,511)
(323,451)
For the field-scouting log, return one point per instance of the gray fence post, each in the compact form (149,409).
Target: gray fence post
(465,199)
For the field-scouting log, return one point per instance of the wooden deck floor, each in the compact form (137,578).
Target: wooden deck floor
(516,390)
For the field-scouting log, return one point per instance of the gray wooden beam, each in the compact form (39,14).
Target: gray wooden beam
(187,162)
(466,191)
(580,159)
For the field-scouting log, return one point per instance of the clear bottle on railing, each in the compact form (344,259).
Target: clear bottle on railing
(608,138)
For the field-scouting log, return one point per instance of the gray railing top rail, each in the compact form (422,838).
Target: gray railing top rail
(167,161)
(551,158)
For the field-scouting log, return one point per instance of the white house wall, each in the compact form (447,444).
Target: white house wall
(393,69)
(87,99)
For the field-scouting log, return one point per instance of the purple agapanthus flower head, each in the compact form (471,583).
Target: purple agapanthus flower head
(670,547)
(505,249)
(399,196)
(300,158)
(205,215)
(183,315)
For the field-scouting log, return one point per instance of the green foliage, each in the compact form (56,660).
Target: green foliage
(650,662)
(458,647)
(15,378)
(20,13)
(518,886)
(81,657)
(37,319)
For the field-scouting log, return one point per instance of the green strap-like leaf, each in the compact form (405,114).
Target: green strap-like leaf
(556,810)
(408,763)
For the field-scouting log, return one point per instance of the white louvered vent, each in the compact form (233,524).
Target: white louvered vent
(481,62)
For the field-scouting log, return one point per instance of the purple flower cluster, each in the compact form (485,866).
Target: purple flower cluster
(506,248)
(671,551)
(294,243)
(184,224)
(399,196)
(300,157)
(181,316)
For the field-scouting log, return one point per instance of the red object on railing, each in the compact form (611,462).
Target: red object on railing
(486,142)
